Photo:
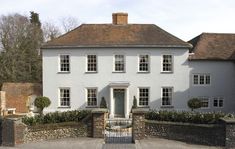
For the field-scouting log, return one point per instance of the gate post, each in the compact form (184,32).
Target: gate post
(138,123)
(12,132)
(229,132)
(98,122)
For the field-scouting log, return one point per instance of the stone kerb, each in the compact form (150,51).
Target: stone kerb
(138,123)
(98,122)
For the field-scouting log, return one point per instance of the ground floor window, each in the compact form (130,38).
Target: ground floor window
(143,96)
(167,96)
(218,102)
(205,102)
(91,97)
(64,97)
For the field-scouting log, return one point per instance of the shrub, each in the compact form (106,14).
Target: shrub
(194,103)
(186,117)
(134,103)
(41,103)
(103,103)
(57,117)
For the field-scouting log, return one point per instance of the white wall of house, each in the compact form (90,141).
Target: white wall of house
(78,80)
(222,83)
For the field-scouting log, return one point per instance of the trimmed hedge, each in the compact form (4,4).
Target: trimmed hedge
(186,117)
(57,117)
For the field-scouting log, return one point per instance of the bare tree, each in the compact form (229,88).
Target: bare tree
(69,23)
(50,31)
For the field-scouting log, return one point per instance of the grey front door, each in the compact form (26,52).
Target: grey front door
(119,95)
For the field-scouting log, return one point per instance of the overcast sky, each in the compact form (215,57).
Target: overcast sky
(183,18)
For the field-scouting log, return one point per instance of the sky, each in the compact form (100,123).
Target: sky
(182,18)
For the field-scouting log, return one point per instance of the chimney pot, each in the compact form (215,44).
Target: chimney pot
(120,18)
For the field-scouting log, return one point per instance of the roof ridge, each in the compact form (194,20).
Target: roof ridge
(213,33)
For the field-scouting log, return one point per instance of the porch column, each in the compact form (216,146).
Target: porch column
(127,100)
(111,106)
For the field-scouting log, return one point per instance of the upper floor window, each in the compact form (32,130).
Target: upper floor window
(218,102)
(64,97)
(64,63)
(167,63)
(91,97)
(91,63)
(201,79)
(143,63)
(167,96)
(143,96)
(119,63)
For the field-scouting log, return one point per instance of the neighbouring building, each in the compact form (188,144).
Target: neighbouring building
(120,61)
(19,97)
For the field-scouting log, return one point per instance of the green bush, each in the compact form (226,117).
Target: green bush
(103,103)
(57,117)
(186,117)
(41,103)
(194,103)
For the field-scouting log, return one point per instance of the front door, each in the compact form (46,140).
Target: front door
(118,96)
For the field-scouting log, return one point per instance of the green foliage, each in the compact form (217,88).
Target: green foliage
(103,103)
(42,102)
(34,18)
(194,103)
(134,103)
(57,117)
(20,39)
(185,117)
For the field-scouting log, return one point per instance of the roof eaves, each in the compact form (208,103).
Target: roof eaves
(119,46)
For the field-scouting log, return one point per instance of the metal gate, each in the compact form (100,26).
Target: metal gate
(118,131)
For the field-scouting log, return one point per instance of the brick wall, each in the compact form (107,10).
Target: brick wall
(17,94)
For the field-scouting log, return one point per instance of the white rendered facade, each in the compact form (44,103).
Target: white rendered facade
(105,79)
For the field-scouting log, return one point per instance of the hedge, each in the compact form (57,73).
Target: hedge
(187,117)
(56,117)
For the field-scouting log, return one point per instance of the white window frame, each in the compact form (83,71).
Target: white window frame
(218,99)
(141,71)
(87,64)
(59,97)
(114,63)
(171,100)
(87,96)
(172,63)
(203,98)
(138,91)
(59,63)
(204,78)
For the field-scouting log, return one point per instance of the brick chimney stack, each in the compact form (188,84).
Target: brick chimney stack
(120,18)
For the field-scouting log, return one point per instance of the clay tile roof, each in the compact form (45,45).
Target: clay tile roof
(213,46)
(109,35)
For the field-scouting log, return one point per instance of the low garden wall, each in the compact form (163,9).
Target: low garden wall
(56,131)
(207,134)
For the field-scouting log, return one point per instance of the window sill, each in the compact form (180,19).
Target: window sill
(143,72)
(63,72)
(119,72)
(63,107)
(167,107)
(90,107)
(167,72)
(143,107)
(90,72)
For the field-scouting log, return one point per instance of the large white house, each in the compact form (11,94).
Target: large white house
(120,61)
